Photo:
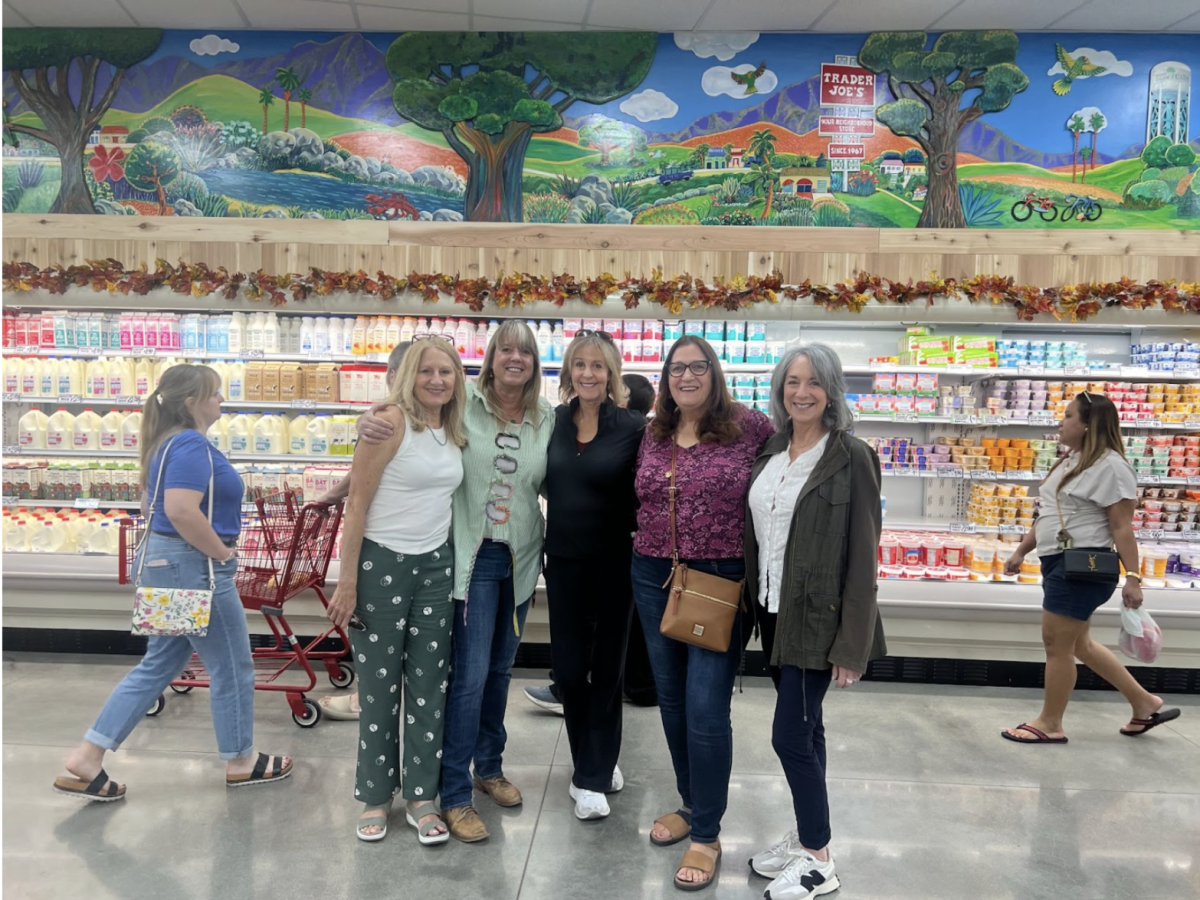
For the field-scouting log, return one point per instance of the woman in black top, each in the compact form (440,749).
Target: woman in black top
(590,519)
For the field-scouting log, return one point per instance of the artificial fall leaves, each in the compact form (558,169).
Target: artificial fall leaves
(1068,302)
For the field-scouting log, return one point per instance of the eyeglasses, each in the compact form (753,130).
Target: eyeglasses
(589,332)
(432,337)
(697,368)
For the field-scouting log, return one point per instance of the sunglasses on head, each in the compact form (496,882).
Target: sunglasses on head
(431,337)
(591,332)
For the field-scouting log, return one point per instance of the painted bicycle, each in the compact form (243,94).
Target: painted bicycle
(1081,209)
(1025,207)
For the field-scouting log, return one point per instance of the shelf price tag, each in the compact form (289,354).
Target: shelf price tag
(12,449)
(883,367)
(30,349)
(304,404)
(126,398)
(905,472)
(948,472)
(1010,529)
(1042,421)
(1191,423)
(1149,423)
(1031,370)
(962,527)
(1193,480)
(960,419)
(12,398)
(905,417)
(959,370)
(995,420)
(1074,371)
(256,353)
(144,351)
(70,398)
(981,474)
(1017,420)
(1134,371)
(87,503)
(1150,479)
(1151,534)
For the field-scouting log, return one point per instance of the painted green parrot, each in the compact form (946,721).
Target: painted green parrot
(749,78)
(1072,69)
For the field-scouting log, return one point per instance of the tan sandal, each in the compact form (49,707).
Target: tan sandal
(679,824)
(694,859)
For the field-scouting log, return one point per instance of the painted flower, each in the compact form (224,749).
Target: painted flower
(107,164)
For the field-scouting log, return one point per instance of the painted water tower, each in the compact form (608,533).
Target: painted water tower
(1170,93)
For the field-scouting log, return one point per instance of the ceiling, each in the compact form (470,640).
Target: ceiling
(573,15)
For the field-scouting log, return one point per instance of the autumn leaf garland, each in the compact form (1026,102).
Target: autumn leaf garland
(674,295)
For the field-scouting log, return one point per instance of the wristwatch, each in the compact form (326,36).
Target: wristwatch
(1136,575)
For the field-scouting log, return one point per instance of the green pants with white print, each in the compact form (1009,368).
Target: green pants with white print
(404,601)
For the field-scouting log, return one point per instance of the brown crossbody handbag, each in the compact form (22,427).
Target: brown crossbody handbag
(701,608)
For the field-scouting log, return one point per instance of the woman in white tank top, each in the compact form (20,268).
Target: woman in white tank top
(394,590)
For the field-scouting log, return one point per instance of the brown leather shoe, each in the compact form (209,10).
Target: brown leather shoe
(500,789)
(464,823)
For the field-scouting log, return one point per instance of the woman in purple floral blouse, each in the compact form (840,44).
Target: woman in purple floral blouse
(716,443)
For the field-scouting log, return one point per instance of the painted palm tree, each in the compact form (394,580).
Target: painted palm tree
(701,155)
(266,97)
(289,81)
(1097,123)
(303,95)
(1085,153)
(728,148)
(764,177)
(1075,125)
(762,145)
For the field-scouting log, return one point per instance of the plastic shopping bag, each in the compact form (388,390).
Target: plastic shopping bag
(1140,638)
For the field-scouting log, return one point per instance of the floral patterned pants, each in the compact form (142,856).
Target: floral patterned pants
(404,601)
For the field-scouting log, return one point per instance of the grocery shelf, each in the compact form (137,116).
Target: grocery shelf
(970,528)
(131,454)
(954,472)
(81,503)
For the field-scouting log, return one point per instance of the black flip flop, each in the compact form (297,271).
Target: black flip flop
(260,775)
(1156,719)
(75,787)
(1040,737)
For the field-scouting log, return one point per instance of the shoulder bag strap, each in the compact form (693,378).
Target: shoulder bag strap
(672,490)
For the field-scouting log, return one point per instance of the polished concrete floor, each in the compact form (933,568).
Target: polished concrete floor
(928,802)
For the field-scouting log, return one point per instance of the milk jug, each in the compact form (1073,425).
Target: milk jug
(95,379)
(13,367)
(47,379)
(68,377)
(31,373)
(87,530)
(237,381)
(16,534)
(269,435)
(49,537)
(241,433)
(317,435)
(218,434)
(85,435)
(297,432)
(31,430)
(122,379)
(60,430)
(110,430)
(143,375)
(131,430)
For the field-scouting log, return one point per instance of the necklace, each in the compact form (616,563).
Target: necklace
(432,434)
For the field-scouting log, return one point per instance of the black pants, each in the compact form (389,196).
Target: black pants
(639,677)
(591,603)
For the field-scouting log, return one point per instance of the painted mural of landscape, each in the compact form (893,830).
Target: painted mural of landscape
(962,129)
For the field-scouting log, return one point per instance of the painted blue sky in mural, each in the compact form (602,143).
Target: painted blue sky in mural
(679,76)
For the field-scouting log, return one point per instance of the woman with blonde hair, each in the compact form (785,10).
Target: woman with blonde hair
(498,533)
(1086,503)
(192,500)
(591,513)
(394,590)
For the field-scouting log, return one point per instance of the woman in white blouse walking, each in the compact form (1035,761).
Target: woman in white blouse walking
(1086,502)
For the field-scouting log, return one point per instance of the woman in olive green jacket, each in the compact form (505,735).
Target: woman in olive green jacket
(812,539)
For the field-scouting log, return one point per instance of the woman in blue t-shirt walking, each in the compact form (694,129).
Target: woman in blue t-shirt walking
(189,528)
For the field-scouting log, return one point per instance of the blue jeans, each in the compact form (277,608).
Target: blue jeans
(695,687)
(172,562)
(484,644)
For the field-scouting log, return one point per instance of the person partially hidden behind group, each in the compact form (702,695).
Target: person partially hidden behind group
(394,591)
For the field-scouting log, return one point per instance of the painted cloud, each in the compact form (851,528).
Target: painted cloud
(650,105)
(722,46)
(1105,58)
(717,81)
(212,44)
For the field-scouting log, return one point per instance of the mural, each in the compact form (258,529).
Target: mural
(961,129)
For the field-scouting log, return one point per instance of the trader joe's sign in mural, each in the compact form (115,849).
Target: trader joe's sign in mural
(984,129)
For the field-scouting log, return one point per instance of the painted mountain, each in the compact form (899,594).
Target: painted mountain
(797,108)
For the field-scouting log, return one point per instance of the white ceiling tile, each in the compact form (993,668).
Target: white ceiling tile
(490,23)
(634,15)
(73,13)
(872,15)
(532,10)
(1018,15)
(180,14)
(377,18)
(298,15)
(1121,15)
(446,6)
(766,15)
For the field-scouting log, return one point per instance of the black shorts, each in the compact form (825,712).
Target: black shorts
(1073,599)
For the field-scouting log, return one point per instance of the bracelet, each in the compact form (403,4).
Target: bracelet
(1134,575)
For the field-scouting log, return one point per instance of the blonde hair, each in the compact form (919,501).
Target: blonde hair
(166,412)
(513,332)
(617,391)
(402,392)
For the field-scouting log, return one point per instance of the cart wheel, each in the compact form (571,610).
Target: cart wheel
(345,678)
(158,705)
(312,715)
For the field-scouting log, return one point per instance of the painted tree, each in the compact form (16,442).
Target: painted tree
(266,98)
(1085,153)
(151,167)
(1075,125)
(700,154)
(929,86)
(913,155)
(728,148)
(610,135)
(764,179)
(1154,154)
(289,81)
(488,93)
(1096,123)
(68,114)
(762,145)
(304,95)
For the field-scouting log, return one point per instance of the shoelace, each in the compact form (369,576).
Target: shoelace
(784,847)
(799,867)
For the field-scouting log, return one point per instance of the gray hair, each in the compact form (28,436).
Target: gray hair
(827,369)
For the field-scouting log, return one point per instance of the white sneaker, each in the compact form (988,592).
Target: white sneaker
(618,781)
(806,877)
(589,804)
(771,863)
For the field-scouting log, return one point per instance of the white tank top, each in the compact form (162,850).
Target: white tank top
(410,512)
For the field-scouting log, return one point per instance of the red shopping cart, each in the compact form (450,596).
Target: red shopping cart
(283,551)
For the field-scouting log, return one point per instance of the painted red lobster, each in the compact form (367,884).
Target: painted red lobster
(390,206)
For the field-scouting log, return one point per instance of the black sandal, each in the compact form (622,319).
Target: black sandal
(1155,719)
(260,776)
(77,787)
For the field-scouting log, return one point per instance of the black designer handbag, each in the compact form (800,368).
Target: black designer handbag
(1094,565)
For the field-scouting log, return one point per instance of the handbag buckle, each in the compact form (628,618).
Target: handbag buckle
(697,630)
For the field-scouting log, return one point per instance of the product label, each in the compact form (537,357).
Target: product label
(319,445)
(962,528)
(297,445)
(237,444)
(54,439)
(262,445)
(129,441)
(108,440)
